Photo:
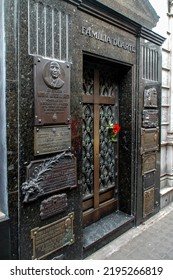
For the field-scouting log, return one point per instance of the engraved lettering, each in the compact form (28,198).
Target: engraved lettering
(59,137)
(50,238)
(50,176)
(107,39)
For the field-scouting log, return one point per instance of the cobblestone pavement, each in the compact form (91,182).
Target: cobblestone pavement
(152,240)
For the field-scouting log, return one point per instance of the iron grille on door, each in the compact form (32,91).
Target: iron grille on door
(100,155)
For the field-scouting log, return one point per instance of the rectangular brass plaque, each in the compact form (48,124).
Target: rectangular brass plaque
(149,139)
(50,238)
(52,139)
(150,118)
(148,206)
(150,97)
(149,180)
(53,205)
(51,91)
(148,162)
(50,176)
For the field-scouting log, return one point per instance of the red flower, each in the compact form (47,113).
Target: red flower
(116,128)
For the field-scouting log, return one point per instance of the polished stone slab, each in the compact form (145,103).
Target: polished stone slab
(104,227)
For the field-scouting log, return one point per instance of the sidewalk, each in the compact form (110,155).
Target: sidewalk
(152,240)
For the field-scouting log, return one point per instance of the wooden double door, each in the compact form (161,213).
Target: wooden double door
(100,155)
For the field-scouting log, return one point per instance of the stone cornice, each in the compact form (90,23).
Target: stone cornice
(112,17)
(151,36)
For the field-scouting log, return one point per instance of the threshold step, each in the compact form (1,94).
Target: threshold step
(105,230)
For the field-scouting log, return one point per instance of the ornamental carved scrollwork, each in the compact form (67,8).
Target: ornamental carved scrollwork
(35,187)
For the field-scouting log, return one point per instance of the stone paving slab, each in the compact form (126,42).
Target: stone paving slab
(153,240)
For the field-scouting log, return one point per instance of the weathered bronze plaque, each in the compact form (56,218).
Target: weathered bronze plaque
(52,237)
(150,97)
(51,91)
(150,118)
(149,140)
(149,180)
(50,176)
(148,202)
(53,205)
(149,162)
(52,139)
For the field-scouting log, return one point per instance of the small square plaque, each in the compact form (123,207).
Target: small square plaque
(149,140)
(52,139)
(150,97)
(150,118)
(149,180)
(148,162)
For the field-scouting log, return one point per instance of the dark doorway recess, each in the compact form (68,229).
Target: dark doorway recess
(107,166)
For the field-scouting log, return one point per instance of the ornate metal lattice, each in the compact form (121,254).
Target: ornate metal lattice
(88,140)
(88,81)
(108,86)
(107,157)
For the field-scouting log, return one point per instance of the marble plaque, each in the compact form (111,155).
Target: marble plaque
(149,140)
(51,91)
(52,139)
(52,237)
(148,162)
(148,206)
(50,176)
(150,118)
(53,205)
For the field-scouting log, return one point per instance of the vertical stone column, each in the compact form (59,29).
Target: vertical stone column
(170,131)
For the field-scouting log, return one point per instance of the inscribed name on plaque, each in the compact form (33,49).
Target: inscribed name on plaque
(49,176)
(50,139)
(52,237)
(51,91)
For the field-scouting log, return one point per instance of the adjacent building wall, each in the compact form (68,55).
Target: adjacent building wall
(164,27)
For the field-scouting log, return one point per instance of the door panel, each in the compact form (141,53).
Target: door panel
(100,155)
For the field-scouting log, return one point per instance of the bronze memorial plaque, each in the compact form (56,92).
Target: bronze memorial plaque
(52,237)
(50,176)
(150,118)
(149,162)
(52,139)
(149,139)
(148,202)
(150,97)
(53,205)
(149,180)
(51,91)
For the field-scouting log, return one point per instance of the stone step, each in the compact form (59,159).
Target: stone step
(166,196)
(105,230)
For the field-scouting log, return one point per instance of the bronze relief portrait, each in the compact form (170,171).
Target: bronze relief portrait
(53,75)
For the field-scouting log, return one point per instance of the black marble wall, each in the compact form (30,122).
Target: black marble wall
(24,40)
